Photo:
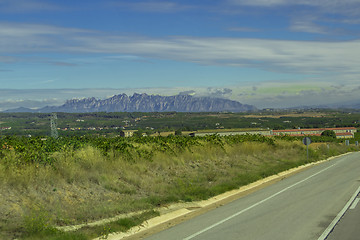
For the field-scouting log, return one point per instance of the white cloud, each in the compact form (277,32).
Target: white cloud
(294,94)
(305,13)
(306,24)
(24,37)
(264,95)
(309,57)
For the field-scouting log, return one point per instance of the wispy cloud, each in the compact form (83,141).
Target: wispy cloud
(325,4)
(20,6)
(310,57)
(307,24)
(64,64)
(305,13)
(266,94)
(295,94)
(263,3)
(25,38)
(131,58)
(242,29)
(219,92)
(298,56)
(41,83)
(151,6)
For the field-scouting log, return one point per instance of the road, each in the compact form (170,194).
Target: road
(300,207)
(348,226)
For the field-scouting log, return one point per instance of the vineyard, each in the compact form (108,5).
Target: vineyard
(48,182)
(40,150)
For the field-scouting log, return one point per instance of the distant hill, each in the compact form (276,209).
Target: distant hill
(146,103)
(342,105)
(20,109)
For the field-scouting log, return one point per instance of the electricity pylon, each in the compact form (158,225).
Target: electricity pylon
(53,120)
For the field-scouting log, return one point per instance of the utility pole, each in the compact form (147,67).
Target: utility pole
(53,120)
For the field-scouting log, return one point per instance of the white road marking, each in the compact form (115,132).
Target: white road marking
(353,206)
(338,217)
(256,204)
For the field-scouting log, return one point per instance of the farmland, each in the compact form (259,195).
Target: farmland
(87,175)
(110,124)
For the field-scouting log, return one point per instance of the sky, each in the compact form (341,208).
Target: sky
(268,53)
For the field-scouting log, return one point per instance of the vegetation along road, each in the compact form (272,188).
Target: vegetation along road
(299,207)
(48,185)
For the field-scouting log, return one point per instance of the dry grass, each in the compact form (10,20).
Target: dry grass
(85,185)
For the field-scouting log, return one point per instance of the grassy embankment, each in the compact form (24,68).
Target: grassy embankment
(86,183)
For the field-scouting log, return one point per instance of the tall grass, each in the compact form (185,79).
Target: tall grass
(86,184)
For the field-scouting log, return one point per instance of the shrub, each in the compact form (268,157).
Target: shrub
(328,133)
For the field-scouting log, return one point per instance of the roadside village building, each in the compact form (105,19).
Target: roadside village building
(343,132)
(228,133)
(127,133)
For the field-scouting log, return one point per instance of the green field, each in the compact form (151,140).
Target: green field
(110,124)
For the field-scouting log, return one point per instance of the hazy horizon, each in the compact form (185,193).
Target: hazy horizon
(57,97)
(266,53)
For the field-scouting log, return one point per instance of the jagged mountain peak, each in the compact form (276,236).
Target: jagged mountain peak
(142,102)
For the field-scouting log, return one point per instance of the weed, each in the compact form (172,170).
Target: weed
(120,225)
(37,222)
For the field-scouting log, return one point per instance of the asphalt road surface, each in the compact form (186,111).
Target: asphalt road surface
(301,207)
(348,227)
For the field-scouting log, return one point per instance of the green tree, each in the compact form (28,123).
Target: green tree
(329,133)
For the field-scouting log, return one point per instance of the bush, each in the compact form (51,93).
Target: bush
(328,133)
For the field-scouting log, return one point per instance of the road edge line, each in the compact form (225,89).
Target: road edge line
(332,225)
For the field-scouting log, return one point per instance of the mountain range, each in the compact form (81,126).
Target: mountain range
(145,103)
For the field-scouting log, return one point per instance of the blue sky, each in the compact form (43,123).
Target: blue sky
(269,53)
